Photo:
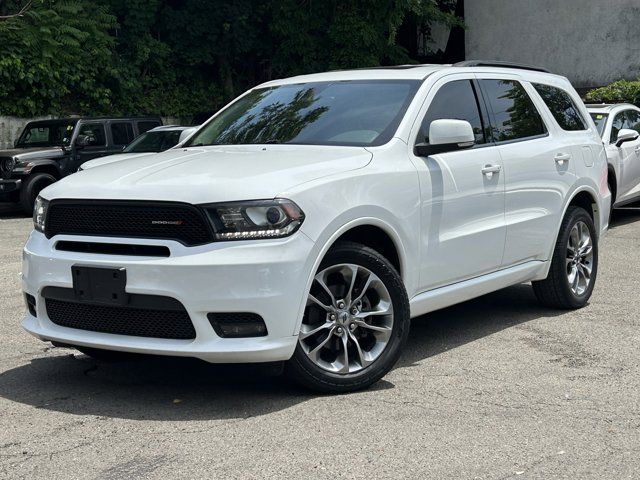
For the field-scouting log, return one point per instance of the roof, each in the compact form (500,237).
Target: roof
(411,72)
(75,119)
(607,107)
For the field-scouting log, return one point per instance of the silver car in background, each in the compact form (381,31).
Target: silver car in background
(619,127)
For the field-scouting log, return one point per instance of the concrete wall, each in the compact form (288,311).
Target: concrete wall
(592,42)
(11,127)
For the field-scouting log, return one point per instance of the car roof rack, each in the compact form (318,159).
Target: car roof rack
(501,64)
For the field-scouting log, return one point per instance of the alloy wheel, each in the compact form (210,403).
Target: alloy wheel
(348,320)
(579,259)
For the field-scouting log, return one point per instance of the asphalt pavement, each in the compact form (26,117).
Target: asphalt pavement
(494,388)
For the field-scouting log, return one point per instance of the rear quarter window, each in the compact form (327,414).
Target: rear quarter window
(562,107)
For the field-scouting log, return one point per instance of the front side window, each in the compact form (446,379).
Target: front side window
(562,107)
(351,113)
(46,134)
(154,142)
(633,120)
(95,133)
(619,122)
(455,100)
(515,117)
(600,119)
(121,133)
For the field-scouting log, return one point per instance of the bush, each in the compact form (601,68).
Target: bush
(621,91)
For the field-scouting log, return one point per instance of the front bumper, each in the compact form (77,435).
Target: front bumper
(267,277)
(12,185)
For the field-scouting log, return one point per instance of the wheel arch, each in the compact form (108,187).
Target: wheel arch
(613,185)
(357,230)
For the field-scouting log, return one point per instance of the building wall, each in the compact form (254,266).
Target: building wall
(592,42)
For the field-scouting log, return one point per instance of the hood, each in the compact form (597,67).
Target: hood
(26,154)
(96,162)
(210,174)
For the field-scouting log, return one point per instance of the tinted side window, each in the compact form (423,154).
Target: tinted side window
(121,133)
(146,126)
(514,114)
(455,100)
(562,107)
(633,120)
(618,124)
(95,132)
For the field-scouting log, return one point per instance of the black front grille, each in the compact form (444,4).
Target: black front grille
(122,320)
(173,221)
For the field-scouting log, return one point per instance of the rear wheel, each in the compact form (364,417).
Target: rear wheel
(355,323)
(574,265)
(31,187)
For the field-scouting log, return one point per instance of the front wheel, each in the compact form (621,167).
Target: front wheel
(574,265)
(355,323)
(31,188)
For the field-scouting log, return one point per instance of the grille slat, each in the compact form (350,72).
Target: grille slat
(137,322)
(172,221)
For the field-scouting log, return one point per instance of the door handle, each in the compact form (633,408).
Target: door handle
(489,170)
(560,158)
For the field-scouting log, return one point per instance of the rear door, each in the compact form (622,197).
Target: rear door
(463,226)
(538,169)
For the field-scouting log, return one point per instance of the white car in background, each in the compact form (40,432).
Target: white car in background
(619,127)
(311,218)
(153,141)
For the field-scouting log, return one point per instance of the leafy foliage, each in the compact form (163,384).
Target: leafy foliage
(180,57)
(620,91)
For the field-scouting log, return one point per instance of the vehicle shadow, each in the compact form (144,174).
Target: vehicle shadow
(625,216)
(184,389)
(11,210)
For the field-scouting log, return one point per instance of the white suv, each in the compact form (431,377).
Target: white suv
(311,218)
(619,126)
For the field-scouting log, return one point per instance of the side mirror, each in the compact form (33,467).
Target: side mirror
(82,141)
(446,135)
(626,135)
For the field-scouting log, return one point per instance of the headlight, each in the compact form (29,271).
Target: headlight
(7,166)
(256,219)
(40,213)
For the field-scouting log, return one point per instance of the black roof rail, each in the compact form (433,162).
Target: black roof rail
(498,63)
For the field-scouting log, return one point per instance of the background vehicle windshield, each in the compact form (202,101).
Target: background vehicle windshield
(154,142)
(50,134)
(355,113)
(600,120)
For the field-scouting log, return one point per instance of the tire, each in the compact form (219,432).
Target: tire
(557,290)
(373,342)
(31,187)
(107,356)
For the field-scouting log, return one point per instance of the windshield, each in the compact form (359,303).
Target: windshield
(600,120)
(154,142)
(47,134)
(354,113)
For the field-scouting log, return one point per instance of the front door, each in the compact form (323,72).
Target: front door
(463,225)
(629,155)
(97,146)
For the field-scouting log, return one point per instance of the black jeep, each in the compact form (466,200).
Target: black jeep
(48,150)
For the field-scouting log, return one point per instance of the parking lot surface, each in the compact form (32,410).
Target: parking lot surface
(494,388)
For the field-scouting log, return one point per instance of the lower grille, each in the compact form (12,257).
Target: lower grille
(122,320)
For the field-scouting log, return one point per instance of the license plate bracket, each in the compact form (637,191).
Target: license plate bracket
(105,285)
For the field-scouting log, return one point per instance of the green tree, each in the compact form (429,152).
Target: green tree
(56,58)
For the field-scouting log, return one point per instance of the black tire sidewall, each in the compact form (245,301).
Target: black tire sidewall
(313,376)
(31,187)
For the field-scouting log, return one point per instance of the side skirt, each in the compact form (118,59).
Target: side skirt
(462,291)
